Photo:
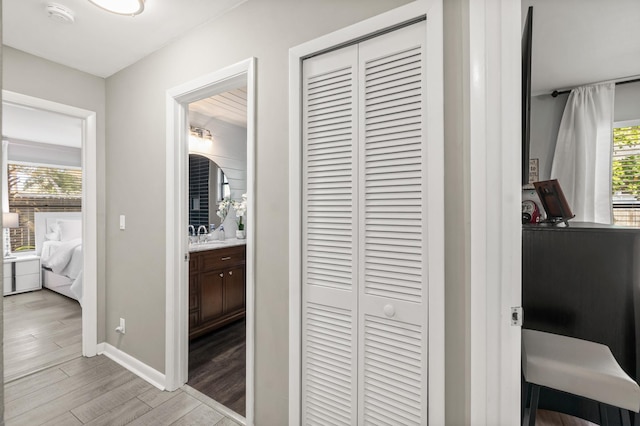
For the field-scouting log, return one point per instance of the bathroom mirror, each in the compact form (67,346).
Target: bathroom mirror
(217,155)
(207,185)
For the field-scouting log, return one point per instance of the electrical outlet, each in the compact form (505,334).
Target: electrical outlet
(121,328)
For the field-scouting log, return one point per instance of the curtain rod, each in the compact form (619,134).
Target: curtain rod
(555,93)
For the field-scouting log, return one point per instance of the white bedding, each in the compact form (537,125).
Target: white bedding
(65,258)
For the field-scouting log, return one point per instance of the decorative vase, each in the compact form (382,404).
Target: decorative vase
(240,234)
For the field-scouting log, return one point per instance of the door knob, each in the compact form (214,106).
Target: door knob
(389,311)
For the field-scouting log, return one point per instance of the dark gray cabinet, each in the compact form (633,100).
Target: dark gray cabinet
(583,281)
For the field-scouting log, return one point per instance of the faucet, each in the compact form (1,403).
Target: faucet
(192,230)
(200,228)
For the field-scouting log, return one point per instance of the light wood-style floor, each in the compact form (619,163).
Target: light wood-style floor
(41,329)
(48,382)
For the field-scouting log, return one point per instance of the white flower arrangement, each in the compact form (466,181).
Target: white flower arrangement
(241,208)
(223,208)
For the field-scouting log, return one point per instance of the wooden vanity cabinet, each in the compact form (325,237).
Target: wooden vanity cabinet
(216,288)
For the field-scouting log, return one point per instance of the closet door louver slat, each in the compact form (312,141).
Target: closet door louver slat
(329,348)
(393,289)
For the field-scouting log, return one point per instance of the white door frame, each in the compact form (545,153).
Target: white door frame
(434,113)
(495,229)
(89,210)
(177,271)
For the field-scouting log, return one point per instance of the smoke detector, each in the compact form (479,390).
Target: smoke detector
(60,13)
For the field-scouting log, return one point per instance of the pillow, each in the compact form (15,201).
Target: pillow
(70,229)
(54,233)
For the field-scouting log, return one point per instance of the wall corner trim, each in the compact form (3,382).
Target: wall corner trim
(132,364)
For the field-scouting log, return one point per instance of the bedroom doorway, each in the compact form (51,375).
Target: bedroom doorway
(88,229)
(222,299)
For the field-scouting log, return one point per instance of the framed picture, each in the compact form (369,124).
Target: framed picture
(553,201)
(533,170)
(533,173)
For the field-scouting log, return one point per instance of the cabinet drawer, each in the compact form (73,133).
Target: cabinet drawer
(223,258)
(27,282)
(25,268)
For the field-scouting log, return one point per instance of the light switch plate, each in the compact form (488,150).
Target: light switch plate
(122,222)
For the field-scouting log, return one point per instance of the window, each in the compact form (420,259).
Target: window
(34,188)
(626,173)
(225,190)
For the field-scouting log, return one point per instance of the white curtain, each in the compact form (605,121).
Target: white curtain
(582,160)
(5,169)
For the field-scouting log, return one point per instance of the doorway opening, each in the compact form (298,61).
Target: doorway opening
(210,282)
(56,160)
(217,203)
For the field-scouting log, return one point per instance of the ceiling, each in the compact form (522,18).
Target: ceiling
(59,129)
(99,42)
(230,107)
(52,128)
(577,42)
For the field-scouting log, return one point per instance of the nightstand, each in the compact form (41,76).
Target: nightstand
(22,273)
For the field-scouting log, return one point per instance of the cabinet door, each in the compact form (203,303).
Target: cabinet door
(194,319)
(234,291)
(194,301)
(194,292)
(211,286)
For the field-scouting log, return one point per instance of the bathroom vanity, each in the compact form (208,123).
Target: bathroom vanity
(216,285)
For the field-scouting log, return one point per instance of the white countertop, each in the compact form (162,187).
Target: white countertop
(212,245)
(19,257)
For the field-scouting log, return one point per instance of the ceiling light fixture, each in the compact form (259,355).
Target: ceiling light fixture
(121,7)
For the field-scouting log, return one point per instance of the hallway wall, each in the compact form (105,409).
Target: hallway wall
(135,154)
(33,76)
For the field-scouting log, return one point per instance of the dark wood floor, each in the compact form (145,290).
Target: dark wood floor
(217,366)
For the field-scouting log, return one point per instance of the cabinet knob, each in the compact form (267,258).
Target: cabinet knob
(230,272)
(221,275)
(389,311)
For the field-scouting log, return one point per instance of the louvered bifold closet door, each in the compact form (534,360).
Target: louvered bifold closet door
(329,292)
(393,238)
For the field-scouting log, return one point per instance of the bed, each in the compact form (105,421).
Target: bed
(59,245)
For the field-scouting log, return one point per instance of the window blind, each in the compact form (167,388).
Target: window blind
(40,189)
(39,181)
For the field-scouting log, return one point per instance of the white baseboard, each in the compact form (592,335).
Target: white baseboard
(137,367)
